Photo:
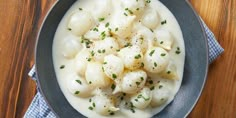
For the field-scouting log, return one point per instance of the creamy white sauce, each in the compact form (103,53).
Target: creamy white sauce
(82,104)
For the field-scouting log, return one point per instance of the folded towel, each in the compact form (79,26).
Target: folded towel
(39,109)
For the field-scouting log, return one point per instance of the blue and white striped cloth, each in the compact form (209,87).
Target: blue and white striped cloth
(39,109)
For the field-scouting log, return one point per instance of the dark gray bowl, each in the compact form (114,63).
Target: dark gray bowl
(195,70)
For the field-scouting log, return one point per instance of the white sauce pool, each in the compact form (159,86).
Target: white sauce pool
(82,104)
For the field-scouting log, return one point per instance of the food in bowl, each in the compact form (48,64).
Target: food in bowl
(119,58)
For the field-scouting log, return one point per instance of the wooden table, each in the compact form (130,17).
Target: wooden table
(20,21)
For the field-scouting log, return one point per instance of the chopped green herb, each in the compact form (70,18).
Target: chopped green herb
(163,54)
(94,105)
(161,42)
(150,82)
(90,100)
(114,76)
(136,100)
(121,98)
(142,64)
(137,83)
(142,78)
(113,86)
(112,113)
(127,45)
(78,81)
(163,22)
(90,82)
(77,92)
(177,52)
(151,30)
(152,52)
(92,53)
(133,111)
(131,12)
(178,48)
(104,63)
(101,19)
(148,1)
(155,64)
(80,9)
(90,108)
(138,56)
(116,29)
(168,72)
(125,14)
(118,50)
(69,29)
(160,86)
(95,29)
(103,51)
(107,24)
(152,88)
(103,35)
(89,59)
(62,66)
(126,9)
(137,9)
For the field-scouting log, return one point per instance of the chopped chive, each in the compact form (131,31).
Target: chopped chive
(160,86)
(161,42)
(118,50)
(150,82)
(113,86)
(94,105)
(152,88)
(90,100)
(69,29)
(133,111)
(136,100)
(62,66)
(152,52)
(107,24)
(92,53)
(125,14)
(137,56)
(104,63)
(77,92)
(103,51)
(95,29)
(163,54)
(163,22)
(101,19)
(80,9)
(90,108)
(78,81)
(148,1)
(177,52)
(114,76)
(142,78)
(116,29)
(112,113)
(99,51)
(142,64)
(155,64)
(90,82)
(126,9)
(168,72)
(137,83)
(137,9)
(89,59)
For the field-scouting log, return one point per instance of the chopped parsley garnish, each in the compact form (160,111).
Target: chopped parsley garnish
(138,56)
(137,9)
(92,53)
(90,82)
(151,30)
(80,9)
(163,54)
(136,100)
(113,86)
(104,63)
(160,86)
(148,1)
(90,108)
(62,66)
(118,50)
(94,105)
(163,22)
(101,19)
(99,51)
(168,72)
(155,64)
(78,81)
(141,96)
(161,42)
(95,29)
(152,88)
(116,29)
(69,29)
(142,78)
(103,35)
(133,111)
(114,76)
(137,83)
(77,92)
(107,24)
(103,51)
(152,52)
(125,14)
(89,59)
(177,52)
(90,100)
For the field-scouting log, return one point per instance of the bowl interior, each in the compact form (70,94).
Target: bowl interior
(195,70)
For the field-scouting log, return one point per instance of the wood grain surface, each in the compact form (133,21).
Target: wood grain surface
(20,22)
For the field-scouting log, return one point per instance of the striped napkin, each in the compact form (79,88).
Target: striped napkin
(39,109)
